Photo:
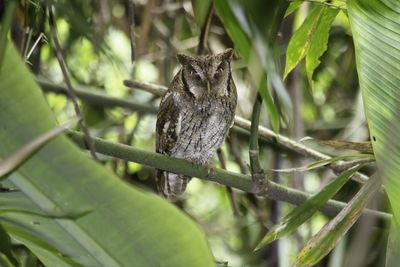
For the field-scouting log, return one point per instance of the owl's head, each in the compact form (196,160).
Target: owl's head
(206,76)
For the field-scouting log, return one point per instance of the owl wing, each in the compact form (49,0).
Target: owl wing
(168,124)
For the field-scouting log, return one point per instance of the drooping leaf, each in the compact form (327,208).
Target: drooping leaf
(319,42)
(375,26)
(324,241)
(364,147)
(123,227)
(310,40)
(14,160)
(303,212)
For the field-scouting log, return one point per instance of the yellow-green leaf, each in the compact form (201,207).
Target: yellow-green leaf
(324,241)
(303,212)
(311,37)
(319,42)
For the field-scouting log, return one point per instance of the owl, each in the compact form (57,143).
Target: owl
(195,115)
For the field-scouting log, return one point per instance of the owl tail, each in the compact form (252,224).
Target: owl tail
(171,185)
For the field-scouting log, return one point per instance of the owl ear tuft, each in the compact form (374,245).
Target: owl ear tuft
(227,54)
(183,59)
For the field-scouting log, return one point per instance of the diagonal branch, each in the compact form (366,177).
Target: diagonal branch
(71,91)
(239,181)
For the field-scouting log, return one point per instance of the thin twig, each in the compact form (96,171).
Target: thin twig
(40,38)
(71,91)
(242,182)
(131,16)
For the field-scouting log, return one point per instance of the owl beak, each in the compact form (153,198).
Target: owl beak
(208,87)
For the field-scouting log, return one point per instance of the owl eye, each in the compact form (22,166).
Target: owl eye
(220,69)
(194,74)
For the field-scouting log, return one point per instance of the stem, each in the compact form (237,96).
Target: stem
(257,172)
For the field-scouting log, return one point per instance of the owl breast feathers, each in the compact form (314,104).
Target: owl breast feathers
(195,114)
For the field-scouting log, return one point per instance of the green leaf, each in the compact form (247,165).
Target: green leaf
(123,227)
(300,214)
(319,42)
(253,29)
(6,22)
(376,32)
(294,5)
(310,39)
(324,241)
(200,10)
(233,28)
(5,247)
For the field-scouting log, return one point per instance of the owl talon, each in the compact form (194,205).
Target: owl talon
(211,171)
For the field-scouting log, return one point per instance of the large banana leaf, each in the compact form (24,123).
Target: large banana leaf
(124,226)
(376,32)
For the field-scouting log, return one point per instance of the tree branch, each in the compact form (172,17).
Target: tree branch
(242,182)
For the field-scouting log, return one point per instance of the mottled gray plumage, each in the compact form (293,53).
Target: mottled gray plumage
(195,114)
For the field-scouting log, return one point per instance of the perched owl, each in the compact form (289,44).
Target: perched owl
(195,114)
